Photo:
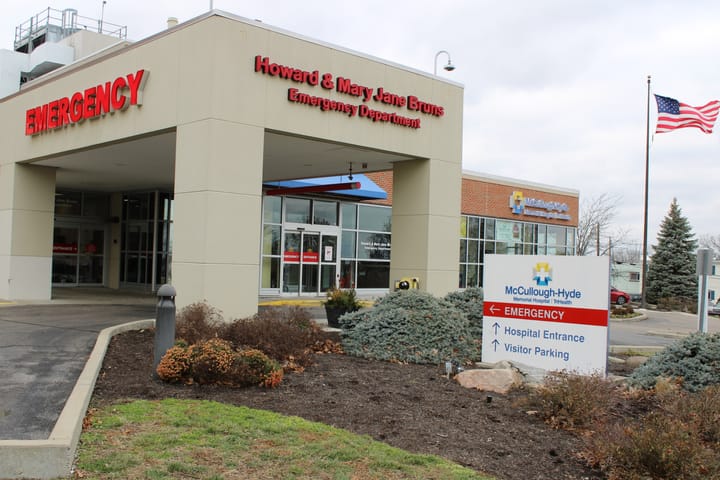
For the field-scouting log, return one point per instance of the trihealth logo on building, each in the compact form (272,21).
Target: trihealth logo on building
(542,274)
(547,209)
(517,203)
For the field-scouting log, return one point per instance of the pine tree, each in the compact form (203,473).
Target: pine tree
(671,274)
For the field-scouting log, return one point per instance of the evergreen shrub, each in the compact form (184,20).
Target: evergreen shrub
(410,326)
(470,302)
(694,361)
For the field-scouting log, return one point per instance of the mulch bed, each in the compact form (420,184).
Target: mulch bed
(413,407)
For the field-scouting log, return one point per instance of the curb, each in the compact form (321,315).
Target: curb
(54,457)
(637,318)
(642,349)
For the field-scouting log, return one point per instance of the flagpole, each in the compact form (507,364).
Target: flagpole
(645,211)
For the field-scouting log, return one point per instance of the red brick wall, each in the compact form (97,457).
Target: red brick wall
(383,180)
(491,199)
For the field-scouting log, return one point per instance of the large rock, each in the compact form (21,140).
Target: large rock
(499,380)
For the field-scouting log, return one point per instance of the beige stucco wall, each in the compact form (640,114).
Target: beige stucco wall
(27,199)
(202,84)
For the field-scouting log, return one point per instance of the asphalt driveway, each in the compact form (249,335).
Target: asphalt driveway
(43,349)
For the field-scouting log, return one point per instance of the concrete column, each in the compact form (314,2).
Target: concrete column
(217,222)
(27,203)
(426,223)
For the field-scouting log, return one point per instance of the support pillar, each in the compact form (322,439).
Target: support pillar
(27,203)
(217,221)
(426,224)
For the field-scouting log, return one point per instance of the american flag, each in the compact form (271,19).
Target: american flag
(673,114)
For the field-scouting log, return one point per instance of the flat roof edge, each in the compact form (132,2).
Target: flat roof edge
(261,24)
(516,182)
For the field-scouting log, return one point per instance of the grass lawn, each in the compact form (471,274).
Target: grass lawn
(208,440)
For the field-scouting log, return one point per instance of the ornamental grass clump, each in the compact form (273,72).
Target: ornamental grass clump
(571,401)
(657,446)
(693,361)
(410,326)
(679,437)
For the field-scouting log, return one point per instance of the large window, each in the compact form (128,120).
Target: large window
(272,235)
(144,222)
(307,211)
(365,246)
(480,236)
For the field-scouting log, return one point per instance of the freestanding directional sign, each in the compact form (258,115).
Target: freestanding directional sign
(548,311)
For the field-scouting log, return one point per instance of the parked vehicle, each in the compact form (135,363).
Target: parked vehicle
(714,308)
(618,296)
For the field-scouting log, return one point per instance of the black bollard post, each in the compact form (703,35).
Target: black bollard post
(164,323)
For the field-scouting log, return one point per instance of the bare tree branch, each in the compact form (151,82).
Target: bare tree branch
(596,214)
(712,242)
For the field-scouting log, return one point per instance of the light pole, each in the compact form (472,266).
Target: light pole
(449,67)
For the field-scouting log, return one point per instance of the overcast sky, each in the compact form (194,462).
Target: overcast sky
(555,90)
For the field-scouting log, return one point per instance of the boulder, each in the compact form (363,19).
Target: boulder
(499,380)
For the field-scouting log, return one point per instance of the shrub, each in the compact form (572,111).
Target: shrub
(702,410)
(287,335)
(677,304)
(410,326)
(210,361)
(216,362)
(174,366)
(694,360)
(622,310)
(470,302)
(569,401)
(345,299)
(658,446)
(254,368)
(197,322)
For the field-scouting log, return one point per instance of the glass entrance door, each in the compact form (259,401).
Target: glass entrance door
(309,262)
(78,255)
(328,262)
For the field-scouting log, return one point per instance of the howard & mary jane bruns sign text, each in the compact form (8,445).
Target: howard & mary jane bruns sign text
(368,95)
(546,311)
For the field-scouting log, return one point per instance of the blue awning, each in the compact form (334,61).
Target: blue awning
(368,189)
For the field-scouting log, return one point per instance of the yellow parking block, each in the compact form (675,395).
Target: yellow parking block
(286,302)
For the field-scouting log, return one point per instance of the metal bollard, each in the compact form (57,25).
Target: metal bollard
(164,323)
